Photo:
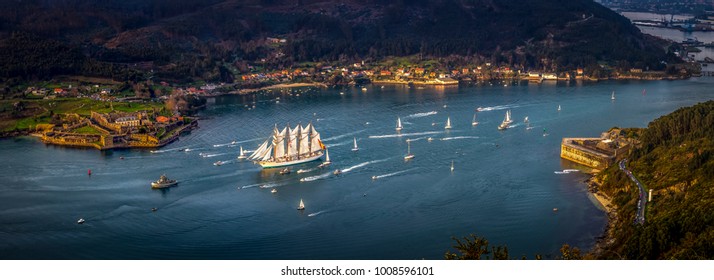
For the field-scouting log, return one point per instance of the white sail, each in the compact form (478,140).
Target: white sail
(259,153)
(327,156)
(355,145)
(525,120)
(279,144)
(613,95)
(267,155)
(301,206)
(448,123)
(508,117)
(399,123)
(292,141)
(314,140)
(305,140)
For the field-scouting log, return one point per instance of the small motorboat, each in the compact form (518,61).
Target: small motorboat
(337,172)
(555,209)
(273,191)
(121,157)
(154,209)
(218,163)
(80,221)
(163,182)
(429,139)
(285,171)
(374,177)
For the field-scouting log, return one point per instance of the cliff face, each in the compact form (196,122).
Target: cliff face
(549,34)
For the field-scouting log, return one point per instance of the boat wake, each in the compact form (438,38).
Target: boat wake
(316,213)
(496,108)
(212,155)
(236,142)
(264,185)
(169,150)
(306,170)
(459,137)
(348,169)
(392,174)
(338,137)
(405,134)
(420,115)
(566,171)
(317,177)
(415,139)
(338,144)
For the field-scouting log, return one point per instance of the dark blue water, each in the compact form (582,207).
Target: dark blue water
(503,187)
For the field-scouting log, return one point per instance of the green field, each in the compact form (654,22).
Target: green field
(43,109)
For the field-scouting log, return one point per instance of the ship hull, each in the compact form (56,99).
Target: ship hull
(271,164)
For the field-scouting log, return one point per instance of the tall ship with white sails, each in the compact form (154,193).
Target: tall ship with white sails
(289,146)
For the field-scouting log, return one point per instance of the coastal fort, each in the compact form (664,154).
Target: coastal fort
(117,130)
(597,153)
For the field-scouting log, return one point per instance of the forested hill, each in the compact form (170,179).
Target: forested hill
(677,162)
(210,39)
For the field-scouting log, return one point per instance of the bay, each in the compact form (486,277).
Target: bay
(503,186)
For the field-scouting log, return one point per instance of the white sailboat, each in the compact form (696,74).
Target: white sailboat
(448,123)
(506,121)
(242,153)
(613,95)
(452,166)
(327,159)
(399,124)
(301,206)
(409,151)
(289,146)
(355,145)
(558,107)
(525,120)
(474,122)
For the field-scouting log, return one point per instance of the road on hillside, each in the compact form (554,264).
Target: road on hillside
(641,203)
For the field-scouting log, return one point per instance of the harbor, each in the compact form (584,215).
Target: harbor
(500,184)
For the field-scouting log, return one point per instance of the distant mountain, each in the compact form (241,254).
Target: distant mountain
(210,40)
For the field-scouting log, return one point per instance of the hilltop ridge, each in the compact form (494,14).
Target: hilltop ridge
(215,40)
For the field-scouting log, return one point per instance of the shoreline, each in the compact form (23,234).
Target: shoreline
(605,203)
(278,86)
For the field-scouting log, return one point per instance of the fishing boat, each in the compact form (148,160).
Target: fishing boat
(80,221)
(506,121)
(399,124)
(289,146)
(327,159)
(242,153)
(613,95)
(273,191)
(448,123)
(355,145)
(409,152)
(163,182)
(474,122)
(301,206)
